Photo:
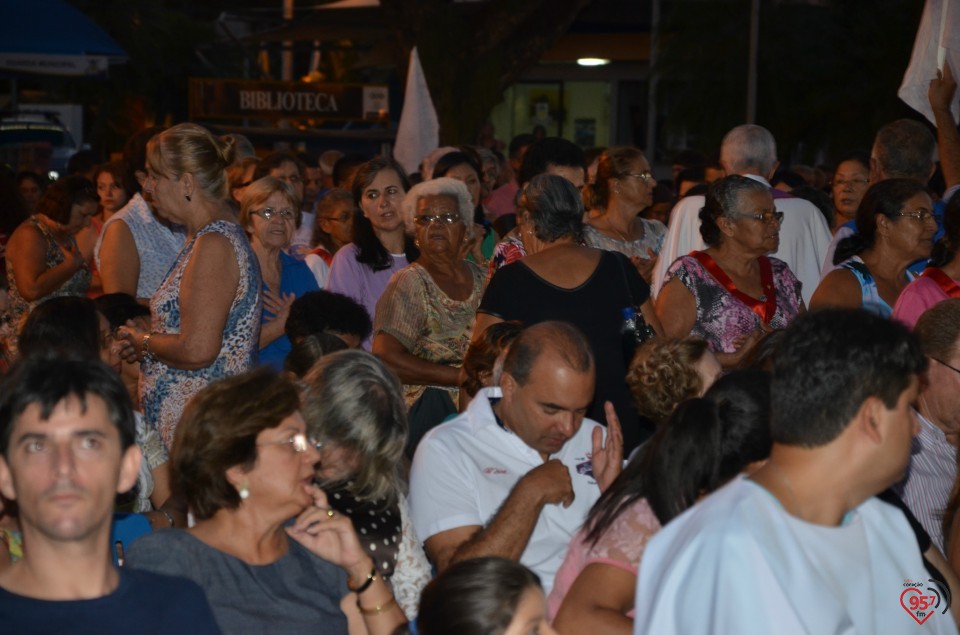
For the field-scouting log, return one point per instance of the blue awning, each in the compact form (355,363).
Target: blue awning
(51,37)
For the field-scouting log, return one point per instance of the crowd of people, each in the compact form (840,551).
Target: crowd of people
(503,395)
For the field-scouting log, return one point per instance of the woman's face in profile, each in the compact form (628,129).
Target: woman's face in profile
(709,370)
(530,617)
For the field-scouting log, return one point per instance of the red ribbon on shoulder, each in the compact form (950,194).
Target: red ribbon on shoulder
(945,282)
(765,309)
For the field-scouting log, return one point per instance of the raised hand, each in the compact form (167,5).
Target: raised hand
(607,459)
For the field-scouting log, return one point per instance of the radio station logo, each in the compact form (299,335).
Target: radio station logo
(923,600)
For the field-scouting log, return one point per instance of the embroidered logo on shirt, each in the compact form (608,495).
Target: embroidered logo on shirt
(922,603)
(494,470)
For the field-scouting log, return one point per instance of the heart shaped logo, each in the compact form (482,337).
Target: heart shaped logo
(917,604)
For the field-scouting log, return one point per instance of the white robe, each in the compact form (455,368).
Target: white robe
(738,563)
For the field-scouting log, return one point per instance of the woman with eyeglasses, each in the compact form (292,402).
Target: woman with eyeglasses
(850,181)
(941,279)
(353,407)
(205,314)
(424,318)
(622,190)
(381,246)
(270,212)
(895,227)
(268,549)
(731,293)
(563,280)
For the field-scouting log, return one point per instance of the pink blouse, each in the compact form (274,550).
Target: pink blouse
(620,546)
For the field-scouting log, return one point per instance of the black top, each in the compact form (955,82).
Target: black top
(595,307)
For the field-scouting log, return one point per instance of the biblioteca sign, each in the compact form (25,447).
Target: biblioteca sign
(237,99)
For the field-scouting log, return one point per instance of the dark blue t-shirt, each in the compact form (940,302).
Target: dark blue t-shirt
(143,603)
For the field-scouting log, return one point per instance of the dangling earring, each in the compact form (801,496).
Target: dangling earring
(244,491)
(416,243)
(187,196)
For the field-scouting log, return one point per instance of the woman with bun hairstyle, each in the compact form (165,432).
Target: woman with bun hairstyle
(895,227)
(206,313)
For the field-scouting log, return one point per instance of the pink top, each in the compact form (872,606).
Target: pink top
(917,297)
(503,200)
(620,546)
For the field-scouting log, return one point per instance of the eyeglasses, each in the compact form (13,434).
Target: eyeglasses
(850,182)
(299,442)
(268,213)
(956,370)
(447,219)
(342,218)
(922,214)
(646,176)
(765,216)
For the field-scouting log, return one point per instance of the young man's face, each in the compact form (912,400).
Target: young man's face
(64,472)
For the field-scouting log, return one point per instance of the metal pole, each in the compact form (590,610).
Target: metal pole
(752,62)
(286,57)
(652,78)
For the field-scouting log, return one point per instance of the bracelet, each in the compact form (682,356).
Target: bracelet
(145,346)
(377,610)
(166,515)
(366,585)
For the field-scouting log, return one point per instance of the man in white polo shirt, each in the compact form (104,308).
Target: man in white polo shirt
(515,474)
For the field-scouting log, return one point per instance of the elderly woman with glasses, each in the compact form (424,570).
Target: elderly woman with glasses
(424,318)
(623,188)
(268,549)
(354,406)
(895,227)
(270,213)
(732,293)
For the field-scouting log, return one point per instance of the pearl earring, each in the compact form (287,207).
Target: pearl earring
(244,491)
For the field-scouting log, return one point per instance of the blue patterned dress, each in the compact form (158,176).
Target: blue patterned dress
(165,391)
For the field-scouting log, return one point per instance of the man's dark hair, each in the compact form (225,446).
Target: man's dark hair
(326,312)
(120,307)
(82,162)
(345,165)
(561,337)
(520,142)
(61,325)
(828,363)
(547,152)
(48,381)
(308,160)
(274,161)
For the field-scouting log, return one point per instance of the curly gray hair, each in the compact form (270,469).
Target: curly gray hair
(443,186)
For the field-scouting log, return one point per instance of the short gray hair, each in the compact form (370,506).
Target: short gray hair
(352,400)
(904,149)
(749,148)
(443,186)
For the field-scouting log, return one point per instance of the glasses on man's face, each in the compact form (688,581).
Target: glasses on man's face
(299,443)
(426,219)
(850,182)
(923,214)
(646,175)
(764,216)
(956,370)
(268,213)
(342,218)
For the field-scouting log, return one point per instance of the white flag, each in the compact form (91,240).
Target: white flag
(419,130)
(938,40)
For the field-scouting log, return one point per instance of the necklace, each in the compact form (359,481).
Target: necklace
(787,486)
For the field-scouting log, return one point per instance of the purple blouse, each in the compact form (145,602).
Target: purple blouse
(721,318)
